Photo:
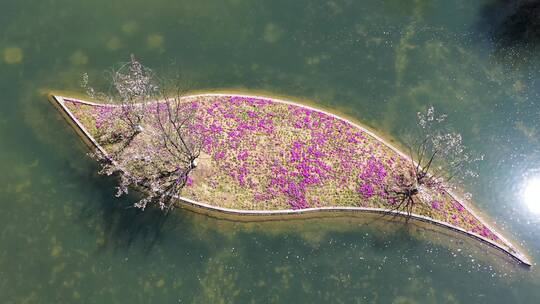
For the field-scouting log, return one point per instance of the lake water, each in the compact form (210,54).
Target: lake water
(64,238)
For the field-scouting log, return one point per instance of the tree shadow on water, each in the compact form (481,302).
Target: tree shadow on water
(118,224)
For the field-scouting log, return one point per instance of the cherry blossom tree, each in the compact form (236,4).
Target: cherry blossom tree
(161,149)
(133,86)
(174,150)
(437,159)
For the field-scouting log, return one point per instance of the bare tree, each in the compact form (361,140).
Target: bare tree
(136,85)
(166,150)
(133,86)
(437,159)
(179,147)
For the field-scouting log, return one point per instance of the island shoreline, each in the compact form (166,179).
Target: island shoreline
(287,214)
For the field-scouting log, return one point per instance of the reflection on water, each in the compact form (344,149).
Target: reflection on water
(531,194)
(65,238)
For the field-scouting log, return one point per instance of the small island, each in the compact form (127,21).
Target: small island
(265,157)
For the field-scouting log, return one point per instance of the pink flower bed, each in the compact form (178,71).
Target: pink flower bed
(261,154)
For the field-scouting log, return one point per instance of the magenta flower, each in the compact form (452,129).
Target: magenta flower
(366,190)
(458,206)
(243,155)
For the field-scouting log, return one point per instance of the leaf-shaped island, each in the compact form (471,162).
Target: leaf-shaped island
(264,158)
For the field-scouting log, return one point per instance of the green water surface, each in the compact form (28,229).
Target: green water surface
(65,238)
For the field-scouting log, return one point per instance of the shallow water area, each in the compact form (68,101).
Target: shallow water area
(64,238)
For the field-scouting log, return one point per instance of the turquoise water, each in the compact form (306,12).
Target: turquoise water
(64,238)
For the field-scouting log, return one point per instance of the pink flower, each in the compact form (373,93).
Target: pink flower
(485,232)
(458,206)
(243,155)
(214,128)
(219,155)
(366,190)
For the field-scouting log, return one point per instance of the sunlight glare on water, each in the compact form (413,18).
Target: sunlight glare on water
(531,194)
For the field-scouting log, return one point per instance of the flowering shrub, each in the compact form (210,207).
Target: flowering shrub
(266,155)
